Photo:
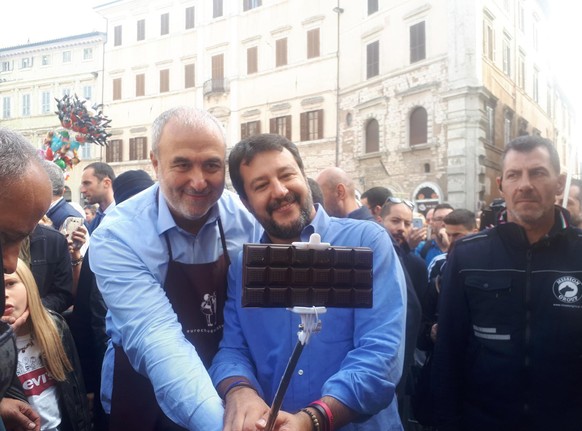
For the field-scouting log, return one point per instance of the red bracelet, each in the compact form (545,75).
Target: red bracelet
(328,413)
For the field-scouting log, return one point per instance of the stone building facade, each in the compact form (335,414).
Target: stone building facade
(33,75)
(416,96)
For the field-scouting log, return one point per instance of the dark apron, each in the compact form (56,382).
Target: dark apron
(197,293)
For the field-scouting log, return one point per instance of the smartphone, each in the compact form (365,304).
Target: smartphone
(417,223)
(70,225)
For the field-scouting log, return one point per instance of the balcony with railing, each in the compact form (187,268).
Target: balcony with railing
(216,86)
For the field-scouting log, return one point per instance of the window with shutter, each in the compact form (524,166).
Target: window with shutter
(252,60)
(217,8)
(117,32)
(189,71)
(189,17)
(281,126)
(218,66)
(164,24)
(281,52)
(372,136)
(418,126)
(313,43)
(140,85)
(311,125)
(117,89)
(250,129)
(113,151)
(372,6)
(141,29)
(372,59)
(138,149)
(417,42)
(164,80)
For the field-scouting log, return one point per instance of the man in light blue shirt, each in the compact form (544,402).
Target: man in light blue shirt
(161,261)
(348,372)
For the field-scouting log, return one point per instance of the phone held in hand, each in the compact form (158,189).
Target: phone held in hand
(417,223)
(70,225)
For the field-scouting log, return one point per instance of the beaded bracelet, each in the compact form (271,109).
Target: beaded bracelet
(236,384)
(76,262)
(314,420)
(325,419)
(325,411)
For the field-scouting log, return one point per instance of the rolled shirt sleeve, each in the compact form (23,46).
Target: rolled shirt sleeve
(148,329)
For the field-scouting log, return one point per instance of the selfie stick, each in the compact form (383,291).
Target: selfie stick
(310,324)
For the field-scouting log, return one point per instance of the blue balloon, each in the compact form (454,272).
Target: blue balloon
(56,143)
(74,144)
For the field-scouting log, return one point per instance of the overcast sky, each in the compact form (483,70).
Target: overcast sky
(38,20)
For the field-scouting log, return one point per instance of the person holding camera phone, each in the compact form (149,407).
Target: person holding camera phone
(438,241)
(348,373)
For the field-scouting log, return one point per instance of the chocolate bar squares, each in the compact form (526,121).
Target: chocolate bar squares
(277,275)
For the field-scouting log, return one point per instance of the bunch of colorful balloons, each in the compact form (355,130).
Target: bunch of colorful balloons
(80,125)
(89,124)
(61,149)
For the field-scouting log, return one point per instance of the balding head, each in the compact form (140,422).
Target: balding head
(26,191)
(339,193)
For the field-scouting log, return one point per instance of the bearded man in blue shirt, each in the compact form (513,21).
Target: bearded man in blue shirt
(348,373)
(159,258)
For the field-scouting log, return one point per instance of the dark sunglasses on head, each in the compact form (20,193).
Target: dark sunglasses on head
(406,202)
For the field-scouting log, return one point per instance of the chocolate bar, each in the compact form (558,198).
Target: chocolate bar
(276,275)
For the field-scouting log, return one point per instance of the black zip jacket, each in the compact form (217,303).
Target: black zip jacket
(509,349)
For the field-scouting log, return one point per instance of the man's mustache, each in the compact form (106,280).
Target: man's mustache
(276,204)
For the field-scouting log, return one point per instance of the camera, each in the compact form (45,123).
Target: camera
(417,222)
(70,225)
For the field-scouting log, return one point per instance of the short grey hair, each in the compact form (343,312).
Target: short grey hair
(186,115)
(16,156)
(56,176)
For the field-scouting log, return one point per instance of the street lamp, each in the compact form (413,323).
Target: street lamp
(338,10)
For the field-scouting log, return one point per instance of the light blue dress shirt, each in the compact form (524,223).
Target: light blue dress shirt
(129,257)
(356,358)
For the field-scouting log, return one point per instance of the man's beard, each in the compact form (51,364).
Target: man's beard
(293,230)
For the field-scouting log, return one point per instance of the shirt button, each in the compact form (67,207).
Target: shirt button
(300,372)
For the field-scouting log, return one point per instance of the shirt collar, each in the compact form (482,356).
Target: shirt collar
(319,224)
(55,203)
(517,232)
(109,208)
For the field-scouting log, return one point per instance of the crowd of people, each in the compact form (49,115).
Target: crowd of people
(132,319)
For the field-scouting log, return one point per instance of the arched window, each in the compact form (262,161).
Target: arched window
(418,126)
(372,136)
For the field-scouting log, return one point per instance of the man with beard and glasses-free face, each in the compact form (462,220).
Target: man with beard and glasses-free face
(507,355)
(161,268)
(352,366)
